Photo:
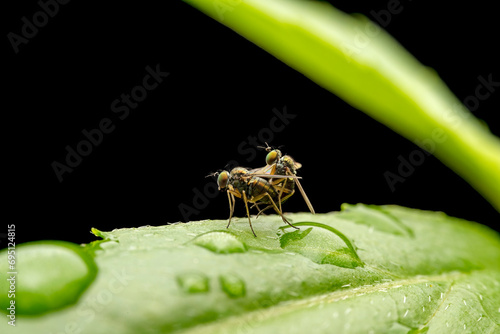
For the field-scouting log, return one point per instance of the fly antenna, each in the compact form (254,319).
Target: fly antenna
(214,174)
(267,147)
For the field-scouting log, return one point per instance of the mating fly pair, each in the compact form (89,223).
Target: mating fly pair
(270,185)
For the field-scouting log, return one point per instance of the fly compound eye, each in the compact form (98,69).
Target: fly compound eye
(272,157)
(222,180)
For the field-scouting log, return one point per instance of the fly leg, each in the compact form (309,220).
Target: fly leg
(306,199)
(279,212)
(231,199)
(262,211)
(281,200)
(248,212)
(256,206)
(281,194)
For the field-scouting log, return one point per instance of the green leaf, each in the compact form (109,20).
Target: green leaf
(357,60)
(342,271)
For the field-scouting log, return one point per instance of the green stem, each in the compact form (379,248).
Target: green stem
(335,231)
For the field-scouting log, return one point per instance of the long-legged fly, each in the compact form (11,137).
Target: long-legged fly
(252,189)
(270,185)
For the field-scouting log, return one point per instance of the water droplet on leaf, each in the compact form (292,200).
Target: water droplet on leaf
(193,282)
(220,242)
(52,275)
(232,285)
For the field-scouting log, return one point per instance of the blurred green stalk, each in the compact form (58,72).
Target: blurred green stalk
(358,61)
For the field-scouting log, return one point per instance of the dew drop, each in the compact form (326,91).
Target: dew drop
(404,300)
(220,242)
(193,282)
(406,313)
(232,285)
(52,275)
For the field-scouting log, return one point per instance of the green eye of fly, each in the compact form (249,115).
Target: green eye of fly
(222,179)
(271,157)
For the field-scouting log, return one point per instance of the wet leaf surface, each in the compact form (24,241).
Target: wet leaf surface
(339,272)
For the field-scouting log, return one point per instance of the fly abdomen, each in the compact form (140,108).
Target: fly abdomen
(258,187)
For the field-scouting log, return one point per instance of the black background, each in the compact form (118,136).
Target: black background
(221,90)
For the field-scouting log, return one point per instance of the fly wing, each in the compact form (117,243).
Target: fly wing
(269,176)
(268,170)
